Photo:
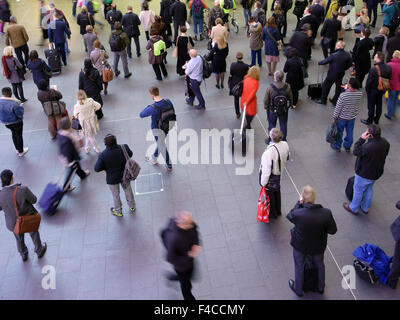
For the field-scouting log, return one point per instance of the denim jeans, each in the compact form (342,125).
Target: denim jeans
(362,194)
(273,118)
(349,126)
(392,103)
(197,25)
(196,92)
(246,18)
(255,53)
(160,137)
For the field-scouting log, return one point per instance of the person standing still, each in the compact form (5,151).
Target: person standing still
(194,71)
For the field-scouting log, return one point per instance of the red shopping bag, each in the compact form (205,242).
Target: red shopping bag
(263,206)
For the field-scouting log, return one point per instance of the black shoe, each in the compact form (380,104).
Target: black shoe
(387,117)
(43,251)
(218,87)
(199,107)
(166,75)
(334,148)
(320,291)
(25,257)
(117,73)
(24,100)
(138,55)
(128,75)
(366,122)
(392,284)
(346,206)
(291,286)
(320,101)
(172,276)
(159,79)
(188,102)
(365,212)
(222,86)
(376,122)
(130,56)
(347,150)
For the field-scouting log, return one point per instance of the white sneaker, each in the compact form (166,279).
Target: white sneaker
(23,152)
(151,159)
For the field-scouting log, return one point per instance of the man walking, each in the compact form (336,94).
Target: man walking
(277,101)
(181,240)
(345,114)
(194,71)
(24,198)
(118,43)
(374,95)
(371,151)
(130,23)
(338,62)
(11,114)
(215,13)
(372,6)
(155,110)
(329,34)
(17,36)
(179,13)
(112,160)
(57,31)
(312,224)
(113,16)
(302,41)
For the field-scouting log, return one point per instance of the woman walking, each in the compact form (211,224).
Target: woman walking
(156,57)
(237,72)
(99,58)
(251,83)
(294,74)
(85,111)
(38,67)
(14,72)
(146,18)
(220,51)
(271,37)
(183,44)
(92,83)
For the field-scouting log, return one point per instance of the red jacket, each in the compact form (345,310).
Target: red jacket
(395,79)
(249,95)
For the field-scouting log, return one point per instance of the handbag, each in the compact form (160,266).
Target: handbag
(278,43)
(26,223)
(131,170)
(237,89)
(107,73)
(274,181)
(75,124)
(54,108)
(332,133)
(383,83)
(264,206)
(20,71)
(326,41)
(175,51)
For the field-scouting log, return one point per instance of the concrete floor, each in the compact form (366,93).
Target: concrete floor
(99,256)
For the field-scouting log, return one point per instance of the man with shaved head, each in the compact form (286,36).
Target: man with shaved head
(312,224)
(194,71)
(181,240)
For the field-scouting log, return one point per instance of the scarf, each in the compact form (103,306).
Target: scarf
(7,71)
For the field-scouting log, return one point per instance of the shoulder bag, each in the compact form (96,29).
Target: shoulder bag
(131,170)
(54,108)
(279,43)
(26,223)
(20,71)
(274,182)
(383,83)
(107,73)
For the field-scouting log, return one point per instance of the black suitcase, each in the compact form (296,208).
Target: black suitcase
(239,137)
(349,188)
(310,282)
(365,272)
(53,59)
(315,91)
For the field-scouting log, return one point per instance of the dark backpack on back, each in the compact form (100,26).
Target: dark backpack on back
(166,114)
(279,102)
(116,43)
(228,4)
(261,18)
(216,14)
(279,19)
(207,68)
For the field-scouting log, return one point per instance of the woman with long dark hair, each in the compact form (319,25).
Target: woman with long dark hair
(294,74)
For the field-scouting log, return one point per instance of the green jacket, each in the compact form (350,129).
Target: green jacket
(124,37)
(226,11)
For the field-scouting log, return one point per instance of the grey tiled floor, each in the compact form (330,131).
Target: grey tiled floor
(99,256)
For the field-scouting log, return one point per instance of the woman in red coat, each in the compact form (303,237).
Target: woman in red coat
(251,83)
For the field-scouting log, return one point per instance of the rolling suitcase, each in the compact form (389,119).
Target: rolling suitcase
(310,282)
(314,90)
(53,59)
(239,136)
(349,188)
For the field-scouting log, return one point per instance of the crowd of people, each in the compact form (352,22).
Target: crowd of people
(312,222)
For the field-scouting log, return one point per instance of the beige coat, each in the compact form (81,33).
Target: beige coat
(17,34)
(217,32)
(86,114)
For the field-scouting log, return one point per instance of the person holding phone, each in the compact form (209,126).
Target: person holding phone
(371,151)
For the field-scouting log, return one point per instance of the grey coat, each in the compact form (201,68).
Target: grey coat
(95,57)
(25,201)
(14,78)
(88,39)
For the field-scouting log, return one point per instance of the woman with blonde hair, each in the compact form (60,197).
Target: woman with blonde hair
(219,53)
(362,20)
(85,111)
(13,71)
(251,82)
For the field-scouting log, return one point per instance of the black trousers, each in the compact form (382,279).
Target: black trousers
(177,25)
(22,50)
(185,278)
(275,203)
(18,91)
(326,87)
(249,119)
(284,25)
(295,94)
(374,105)
(395,269)
(75,168)
(16,133)
(328,49)
(157,70)
(168,29)
(137,44)
(373,9)
(147,33)
(22,249)
(237,105)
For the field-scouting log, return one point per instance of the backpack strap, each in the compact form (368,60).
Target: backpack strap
(15,201)
(124,151)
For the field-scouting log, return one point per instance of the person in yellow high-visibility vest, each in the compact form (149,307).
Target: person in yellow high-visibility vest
(227,5)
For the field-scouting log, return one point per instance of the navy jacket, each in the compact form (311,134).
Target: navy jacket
(57,35)
(339,62)
(178,12)
(373,79)
(318,12)
(113,161)
(67,148)
(130,23)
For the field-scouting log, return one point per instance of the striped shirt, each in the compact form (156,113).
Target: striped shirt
(347,105)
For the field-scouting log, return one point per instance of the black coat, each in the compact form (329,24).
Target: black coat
(318,12)
(339,62)
(379,40)
(302,43)
(92,83)
(130,24)
(361,56)
(373,79)
(392,45)
(294,73)
(83,20)
(237,72)
(67,148)
(164,11)
(113,161)
(371,157)
(331,28)
(312,21)
(312,224)
(178,243)
(178,12)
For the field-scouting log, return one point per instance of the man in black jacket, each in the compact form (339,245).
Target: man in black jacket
(374,95)
(311,20)
(339,62)
(166,16)
(302,40)
(393,44)
(395,269)
(371,151)
(130,23)
(113,16)
(179,13)
(312,224)
(112,160)
(329,34)
(237,72)
(181,240)
(318,11)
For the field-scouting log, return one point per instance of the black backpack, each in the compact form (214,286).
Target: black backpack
(166,114)
(207,68)
(396,17)
(279,19)
(116,43)
(228,4)
(216,14)
(261,18)
(279,102)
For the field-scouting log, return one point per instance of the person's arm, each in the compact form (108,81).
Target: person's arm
(189,68)
(99,166)
(26,37)
(267,98)
(66,30)
(338,108)
(358,149)
(204,4)
(291,216)
(81,86)
(97,105)
(76,110)
(18,110)
(128,150)
(29,196)
(253,93)
(325,61)
(371,79)
(289,94)
(286,67)
(331,227)
(146,112)
(265,168)
(7,40)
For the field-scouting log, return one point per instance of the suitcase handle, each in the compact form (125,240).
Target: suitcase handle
(243,116)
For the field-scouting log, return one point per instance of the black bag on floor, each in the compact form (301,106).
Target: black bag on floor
(310,282)
(365,272)
(332,133)
(53,59)
(349,188)
(314,91)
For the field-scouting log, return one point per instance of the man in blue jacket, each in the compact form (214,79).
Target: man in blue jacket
(11,114)
(112,160)
(57,31)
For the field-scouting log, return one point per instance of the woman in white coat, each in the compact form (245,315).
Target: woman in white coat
(85,111)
